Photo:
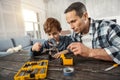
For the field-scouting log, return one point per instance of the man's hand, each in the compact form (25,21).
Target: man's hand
(79,48)
(37,46)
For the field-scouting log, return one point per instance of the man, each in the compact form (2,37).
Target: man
(97,39)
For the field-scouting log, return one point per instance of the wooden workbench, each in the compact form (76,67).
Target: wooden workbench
(85,68)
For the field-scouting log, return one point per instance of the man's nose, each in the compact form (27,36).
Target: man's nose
(72,26)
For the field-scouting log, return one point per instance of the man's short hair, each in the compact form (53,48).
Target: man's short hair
(78,7)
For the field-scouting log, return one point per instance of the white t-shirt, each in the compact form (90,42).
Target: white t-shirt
(87,40)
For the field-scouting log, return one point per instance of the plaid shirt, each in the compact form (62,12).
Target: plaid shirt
(106,35)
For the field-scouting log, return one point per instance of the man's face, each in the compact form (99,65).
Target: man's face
(76,23)
(54,34)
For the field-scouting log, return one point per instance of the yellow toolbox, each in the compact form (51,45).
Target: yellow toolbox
(33,70)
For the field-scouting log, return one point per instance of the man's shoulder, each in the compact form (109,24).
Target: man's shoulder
(105,22)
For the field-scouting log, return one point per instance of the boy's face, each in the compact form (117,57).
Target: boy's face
(54,34)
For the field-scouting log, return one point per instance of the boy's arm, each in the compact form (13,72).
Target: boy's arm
(34,51)
(61,52)
(37,46)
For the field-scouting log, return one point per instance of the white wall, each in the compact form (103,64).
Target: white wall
(11,18)
(11,23)
(103,8)
(56,8)
(38,6)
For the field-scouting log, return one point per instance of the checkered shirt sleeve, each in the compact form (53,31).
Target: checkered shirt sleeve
(107,36)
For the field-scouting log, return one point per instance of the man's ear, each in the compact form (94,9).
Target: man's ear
(85,15)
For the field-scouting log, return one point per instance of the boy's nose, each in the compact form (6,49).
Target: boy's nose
(52,36)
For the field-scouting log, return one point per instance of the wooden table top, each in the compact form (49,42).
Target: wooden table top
(84,68)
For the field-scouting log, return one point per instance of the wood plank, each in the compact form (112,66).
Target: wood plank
(6,74)
(19,56)
(85,68)
(8,65)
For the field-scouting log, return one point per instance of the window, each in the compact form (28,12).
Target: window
(30,22)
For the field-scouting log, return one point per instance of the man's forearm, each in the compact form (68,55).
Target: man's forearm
(99,54)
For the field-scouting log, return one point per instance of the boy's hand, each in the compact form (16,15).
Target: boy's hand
(37,46)
(57,55)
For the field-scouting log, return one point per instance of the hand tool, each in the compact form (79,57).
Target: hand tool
(113,66)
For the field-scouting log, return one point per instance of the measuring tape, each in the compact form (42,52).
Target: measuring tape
(68,71)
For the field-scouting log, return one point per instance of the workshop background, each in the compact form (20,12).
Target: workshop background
(26,17)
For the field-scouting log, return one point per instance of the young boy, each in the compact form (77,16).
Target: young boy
(53,29)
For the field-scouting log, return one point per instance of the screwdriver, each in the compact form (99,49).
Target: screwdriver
(109,68)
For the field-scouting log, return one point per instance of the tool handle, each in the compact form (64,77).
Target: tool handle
(115,65)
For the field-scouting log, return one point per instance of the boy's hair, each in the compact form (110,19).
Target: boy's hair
(78,7)
(51,23)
